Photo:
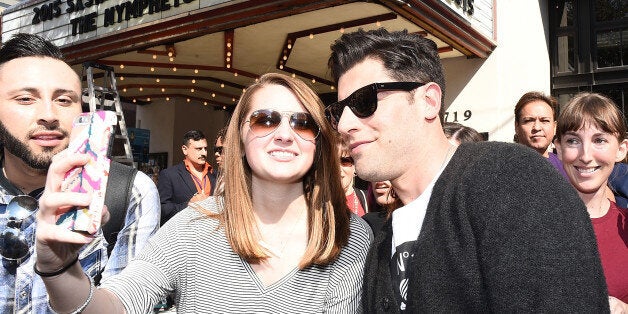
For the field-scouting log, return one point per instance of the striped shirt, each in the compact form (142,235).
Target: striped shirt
(191,256)
(22,291)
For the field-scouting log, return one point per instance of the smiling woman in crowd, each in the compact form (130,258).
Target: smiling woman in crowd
(279,238)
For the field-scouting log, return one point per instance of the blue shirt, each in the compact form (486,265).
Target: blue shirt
(21,290)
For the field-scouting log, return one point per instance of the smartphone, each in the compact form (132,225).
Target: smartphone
(91,134)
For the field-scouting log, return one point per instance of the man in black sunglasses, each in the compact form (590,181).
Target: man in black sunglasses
(475,234)
(40,95)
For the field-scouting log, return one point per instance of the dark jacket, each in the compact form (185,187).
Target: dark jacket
(503,232)
(176,188)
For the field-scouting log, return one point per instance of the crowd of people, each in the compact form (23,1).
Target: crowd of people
(449,222)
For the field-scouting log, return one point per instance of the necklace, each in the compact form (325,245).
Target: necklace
(279,253)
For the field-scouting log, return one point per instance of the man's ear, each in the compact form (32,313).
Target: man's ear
(184,149)
(432,98)
(621,151)
(559,149)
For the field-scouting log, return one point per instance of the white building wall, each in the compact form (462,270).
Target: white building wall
(489,89)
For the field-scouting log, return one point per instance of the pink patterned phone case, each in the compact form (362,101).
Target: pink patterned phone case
(91,135)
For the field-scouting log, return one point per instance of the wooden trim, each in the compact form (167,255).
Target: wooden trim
(194,25)
(436,18)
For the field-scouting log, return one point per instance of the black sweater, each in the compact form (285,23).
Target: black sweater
(503,232)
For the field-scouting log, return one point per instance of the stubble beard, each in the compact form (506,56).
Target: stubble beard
(21,150)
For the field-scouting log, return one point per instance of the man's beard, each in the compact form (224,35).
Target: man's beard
(21,150)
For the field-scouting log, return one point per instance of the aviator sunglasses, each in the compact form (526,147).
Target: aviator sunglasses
(363,102)
(264,122)
(13,244)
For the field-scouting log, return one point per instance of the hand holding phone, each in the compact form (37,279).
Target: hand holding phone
(91,135)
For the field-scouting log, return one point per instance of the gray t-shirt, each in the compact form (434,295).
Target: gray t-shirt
(190,255)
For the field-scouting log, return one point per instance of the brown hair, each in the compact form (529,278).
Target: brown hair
(463,134)
(534,96)
(591,109)
(328,217)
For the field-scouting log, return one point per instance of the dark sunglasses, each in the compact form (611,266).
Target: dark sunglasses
(346,161)
(264,122)
(13,244)
(363,102)
(218,150)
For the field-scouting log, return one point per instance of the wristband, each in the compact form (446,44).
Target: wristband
(56,272)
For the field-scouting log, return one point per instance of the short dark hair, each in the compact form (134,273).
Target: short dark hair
(221,133)
(406,56)
(534,96)
(192,135)
(461,133)
(28,45)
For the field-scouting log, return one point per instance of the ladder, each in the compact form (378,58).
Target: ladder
(106,97)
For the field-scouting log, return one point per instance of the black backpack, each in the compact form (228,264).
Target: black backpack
(119,186)
(119,189)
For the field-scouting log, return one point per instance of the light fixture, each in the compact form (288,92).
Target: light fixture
(188,99)
(169,53)
(378,23)
(281,67)
(235,73)
(171,59)
(134,100)
(228,53)
(154,56)
(228,65)
(342,30)
(213,95)
(174,69)
(224,107)
(233,99)
(167,98)
(148,99)
(152,69)
(205,103)
(193,81)
(311,36)
(229,45)
(228,59)
(332,88)
(163,89)
(141,89)
(157,80)
(196,71)
(313,81)
(192,90)
(289,46)
(124,90)
(222,85)
(285,57)
(294,75)
(121,78)
(121,66)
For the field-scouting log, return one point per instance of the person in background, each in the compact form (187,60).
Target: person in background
(590,139)
(218,147)
(535,125)
(40,96)
(473,234)
(356,198)
(536,116)
(278,239)
(192,180)
(382,201)
(458,133)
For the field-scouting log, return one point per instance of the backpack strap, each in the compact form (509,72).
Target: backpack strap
(119,188)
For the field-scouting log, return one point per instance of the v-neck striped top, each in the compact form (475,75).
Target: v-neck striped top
(190,255)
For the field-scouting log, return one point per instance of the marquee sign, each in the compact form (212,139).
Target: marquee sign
(68,21)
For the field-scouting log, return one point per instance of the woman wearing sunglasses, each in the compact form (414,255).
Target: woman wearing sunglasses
(279,238)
